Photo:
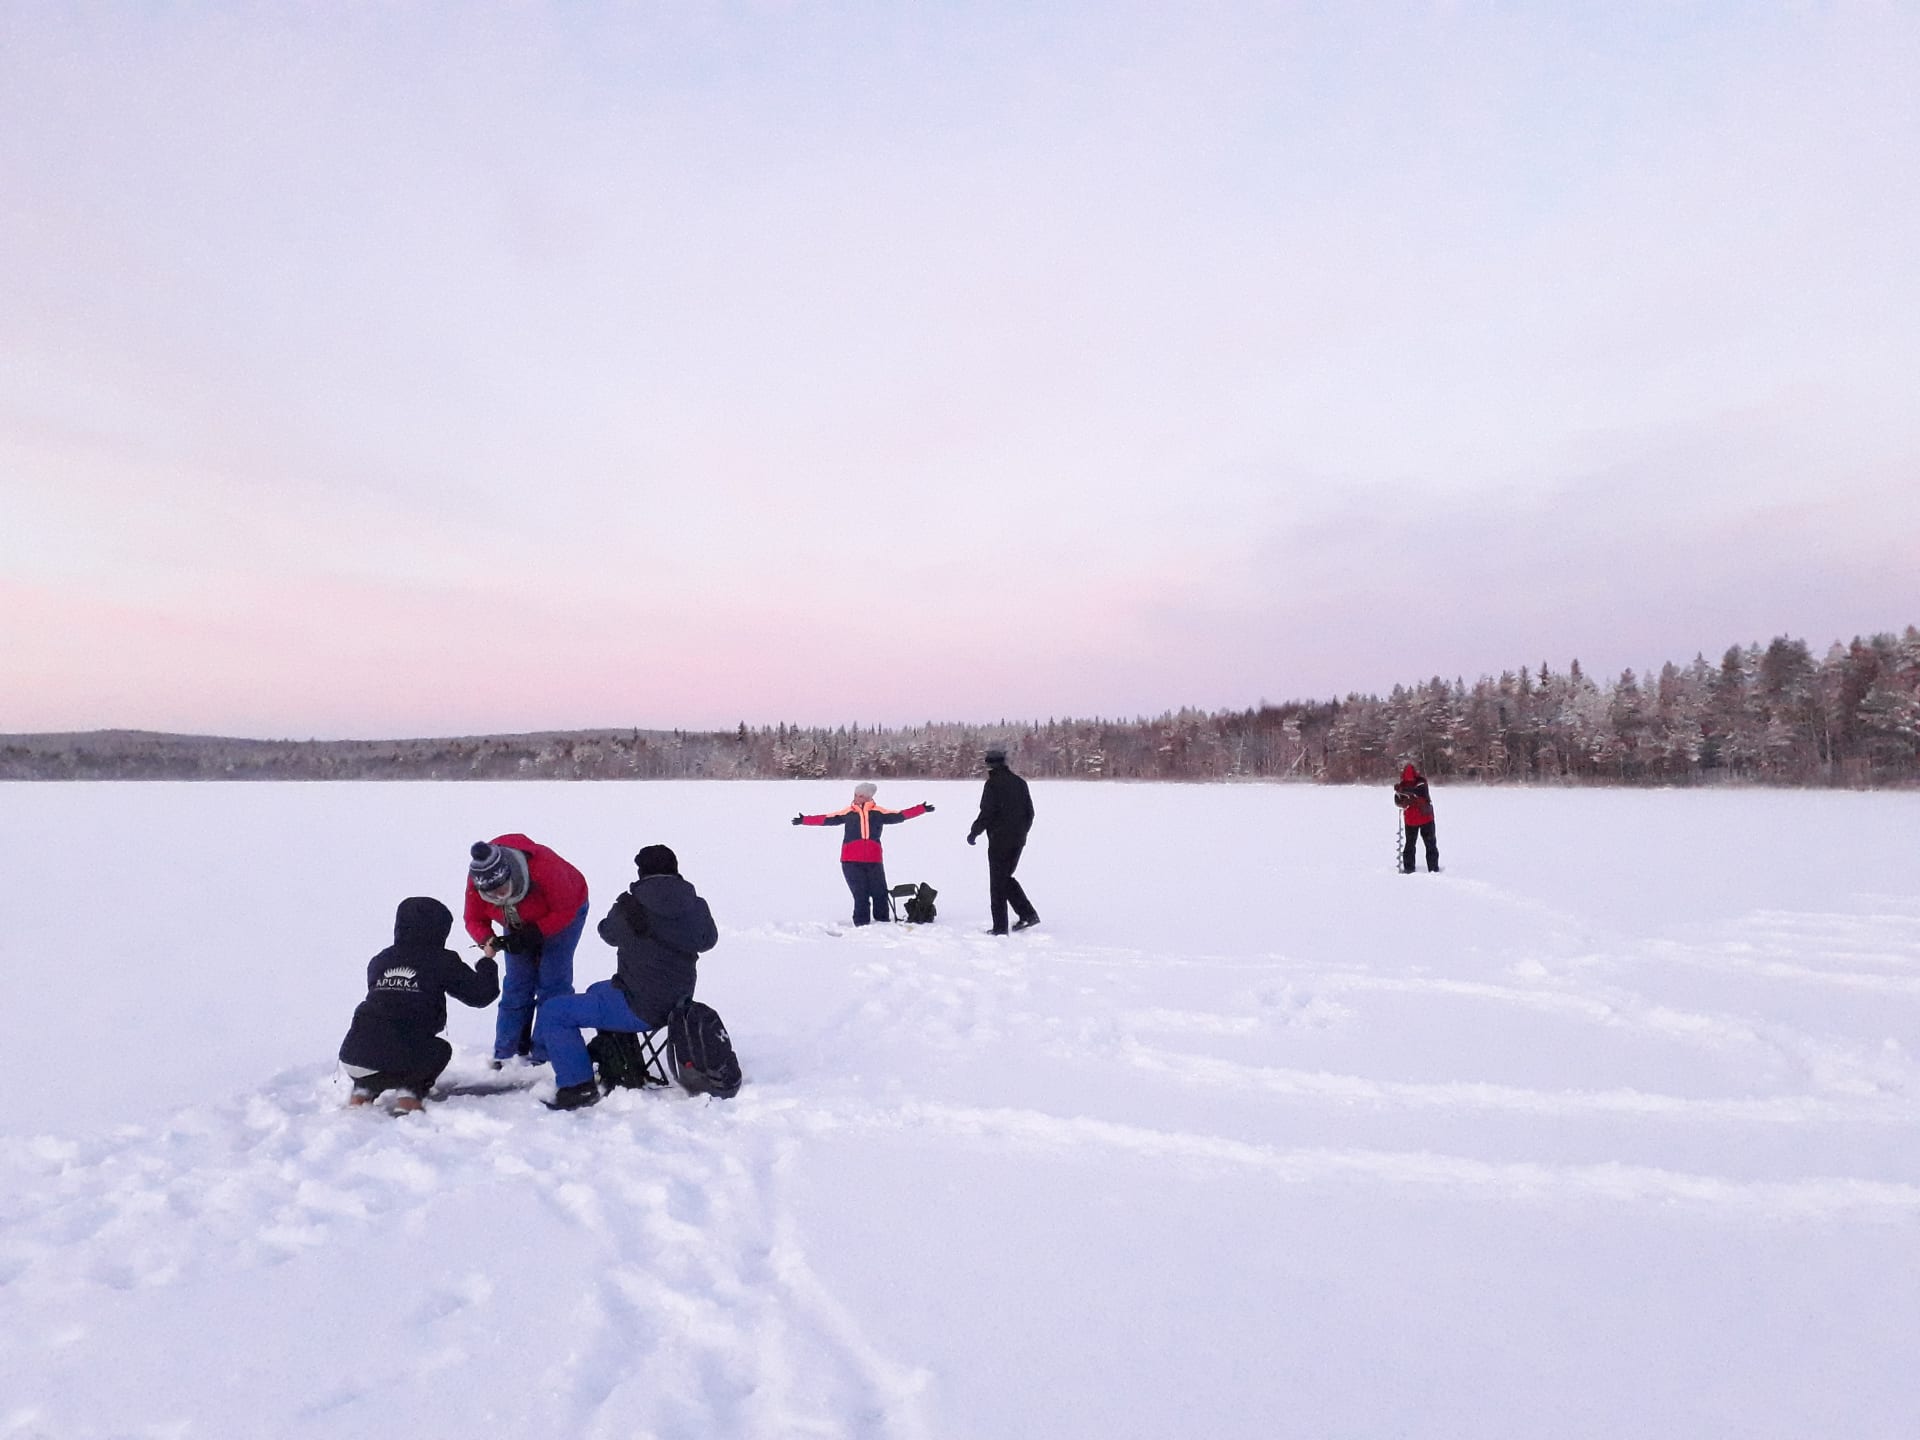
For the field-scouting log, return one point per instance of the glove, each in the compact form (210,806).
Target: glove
(971,838)
(633,912)
(927,805)
(799,819)
(525,939)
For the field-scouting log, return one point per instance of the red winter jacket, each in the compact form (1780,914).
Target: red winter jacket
(555,893)
(1411,796)
(863,826)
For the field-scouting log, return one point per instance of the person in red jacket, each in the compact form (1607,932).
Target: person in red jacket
(1416,811)
(860,858)
(539,902)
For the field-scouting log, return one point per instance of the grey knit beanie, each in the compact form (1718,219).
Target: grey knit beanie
(499,872)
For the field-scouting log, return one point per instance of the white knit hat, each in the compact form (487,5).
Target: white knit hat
(865,790)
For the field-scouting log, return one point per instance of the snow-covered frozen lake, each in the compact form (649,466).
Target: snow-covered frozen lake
(1609,1130)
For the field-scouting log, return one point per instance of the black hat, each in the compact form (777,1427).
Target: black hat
(656,860)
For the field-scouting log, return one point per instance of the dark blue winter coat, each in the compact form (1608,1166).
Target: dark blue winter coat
(659,926)
(407,988)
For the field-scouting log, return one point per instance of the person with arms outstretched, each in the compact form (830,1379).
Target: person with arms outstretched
(861,861)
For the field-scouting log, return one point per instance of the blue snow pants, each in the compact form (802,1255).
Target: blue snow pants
(556,1031)
(867,879)
(528,983)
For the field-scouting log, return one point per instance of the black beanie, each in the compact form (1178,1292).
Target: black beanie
(656,860)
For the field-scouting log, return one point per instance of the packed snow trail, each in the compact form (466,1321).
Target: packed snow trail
(684,1303)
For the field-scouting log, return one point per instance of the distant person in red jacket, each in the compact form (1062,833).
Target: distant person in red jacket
(860,858)
(539,902)
(1416,810)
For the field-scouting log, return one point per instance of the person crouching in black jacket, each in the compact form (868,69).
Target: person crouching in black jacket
(394,1042)
(659,926)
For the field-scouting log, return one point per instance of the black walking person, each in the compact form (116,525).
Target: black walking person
(1006,815)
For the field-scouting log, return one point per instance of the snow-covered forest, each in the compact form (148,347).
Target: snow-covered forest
(1770,714)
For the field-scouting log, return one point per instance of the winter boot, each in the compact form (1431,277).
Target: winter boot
(575,1097)
(1026,924)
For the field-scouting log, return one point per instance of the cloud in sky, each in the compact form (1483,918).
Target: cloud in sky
(381,370)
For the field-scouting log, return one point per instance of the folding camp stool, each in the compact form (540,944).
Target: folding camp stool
(897,899)
(653,1058)
(640,1057)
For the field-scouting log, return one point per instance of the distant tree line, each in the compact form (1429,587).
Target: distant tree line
(1764,714)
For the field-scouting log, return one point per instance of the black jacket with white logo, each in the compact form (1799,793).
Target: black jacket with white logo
(407,988)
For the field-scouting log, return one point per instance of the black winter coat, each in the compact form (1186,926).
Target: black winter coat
(659,926)
(407,988)
(1006,806)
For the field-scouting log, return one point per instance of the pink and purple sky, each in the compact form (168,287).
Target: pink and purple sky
(402,369)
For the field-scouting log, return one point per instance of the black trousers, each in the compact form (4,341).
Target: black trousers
(415,1082)
(1420,832)
(1002,889)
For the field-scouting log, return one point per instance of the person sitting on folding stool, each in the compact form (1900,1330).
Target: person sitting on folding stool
(659,926)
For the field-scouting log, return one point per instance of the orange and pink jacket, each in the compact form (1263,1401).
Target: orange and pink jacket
(863,826)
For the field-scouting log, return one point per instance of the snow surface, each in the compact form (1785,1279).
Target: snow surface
(1607,1131)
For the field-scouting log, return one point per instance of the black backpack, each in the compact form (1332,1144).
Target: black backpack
(701,1054)
(625,1061)
(919,909)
